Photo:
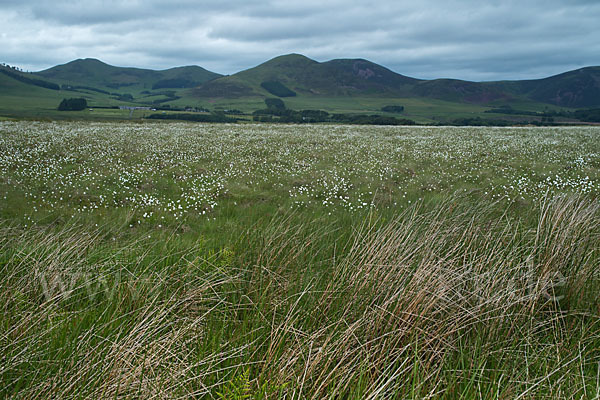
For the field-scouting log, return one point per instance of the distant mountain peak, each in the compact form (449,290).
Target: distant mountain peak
(86,61)
(289,59)
(92,60)
(292,56)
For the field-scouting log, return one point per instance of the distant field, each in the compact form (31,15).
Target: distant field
(298,261)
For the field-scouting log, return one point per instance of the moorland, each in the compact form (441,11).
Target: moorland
(181,260)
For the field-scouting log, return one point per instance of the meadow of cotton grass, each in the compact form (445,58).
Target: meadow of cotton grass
(274,293)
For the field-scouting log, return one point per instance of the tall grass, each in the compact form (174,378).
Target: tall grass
(451,301)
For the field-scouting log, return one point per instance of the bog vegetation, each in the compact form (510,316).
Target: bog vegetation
(298,261)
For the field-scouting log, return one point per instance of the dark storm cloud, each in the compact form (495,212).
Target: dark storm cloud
(460,39)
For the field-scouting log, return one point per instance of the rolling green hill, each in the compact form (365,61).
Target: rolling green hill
(574,89)
(38,94)
(359,78)
(94,73)
(337,86)
(578,88)
(27,95)
(21,96)
(308,77)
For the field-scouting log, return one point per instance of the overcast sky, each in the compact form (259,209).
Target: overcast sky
(468,39)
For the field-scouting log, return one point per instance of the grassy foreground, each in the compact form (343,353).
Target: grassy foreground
(299,262)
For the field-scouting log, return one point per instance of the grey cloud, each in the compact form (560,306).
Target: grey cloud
(465,39)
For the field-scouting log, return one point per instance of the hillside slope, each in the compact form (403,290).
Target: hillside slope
(22,94)
(305,76)
(358,77)
(94,73)
(578,88)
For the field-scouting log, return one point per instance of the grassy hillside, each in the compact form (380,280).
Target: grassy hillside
(460,91)
(18,98)
(309,77)
(579,88)
(362,78)
(94,73)
(576,89)
(338,86)
(26,100)
(37,95)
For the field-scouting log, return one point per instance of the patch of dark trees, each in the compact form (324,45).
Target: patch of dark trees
(276,111)
(278,89)
(393,109)
(31,81)
(274,104)
(75,104)
(174,83)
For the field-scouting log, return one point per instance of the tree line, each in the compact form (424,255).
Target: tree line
(74,104)
(276,111)
(31,81)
